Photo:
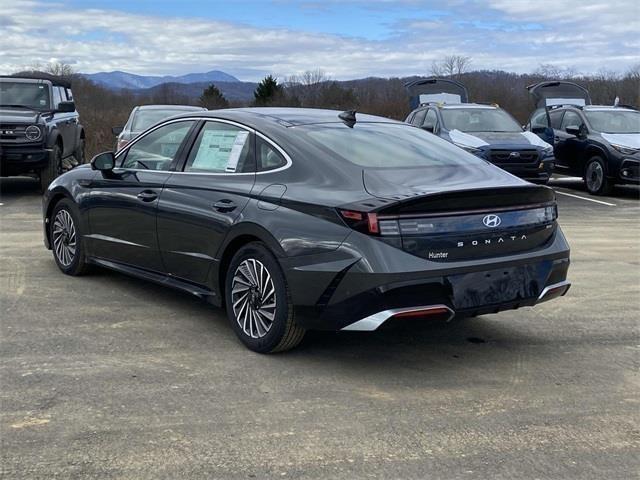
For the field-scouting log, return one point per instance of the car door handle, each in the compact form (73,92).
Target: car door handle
(225,205)
(147,195)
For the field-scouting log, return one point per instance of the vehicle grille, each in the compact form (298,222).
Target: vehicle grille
(12,132)
(506,156)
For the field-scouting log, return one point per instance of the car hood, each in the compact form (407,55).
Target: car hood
(403,183)
(629,140)
(16,115)
(506,139)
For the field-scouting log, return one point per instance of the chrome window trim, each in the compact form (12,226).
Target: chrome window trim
(212,119)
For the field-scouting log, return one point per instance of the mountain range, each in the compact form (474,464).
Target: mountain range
(120,80)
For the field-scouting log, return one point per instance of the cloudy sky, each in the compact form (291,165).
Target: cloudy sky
(345,38)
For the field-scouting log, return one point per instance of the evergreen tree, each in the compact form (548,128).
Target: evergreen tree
(212,98)
(267,91)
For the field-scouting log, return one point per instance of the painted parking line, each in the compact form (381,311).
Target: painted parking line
(585,198)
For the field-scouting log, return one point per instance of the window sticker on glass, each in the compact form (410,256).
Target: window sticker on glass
(236,150)
(220,150)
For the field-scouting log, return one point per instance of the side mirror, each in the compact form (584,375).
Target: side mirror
(66,107)
(117,130)
(573,130)
(105,162)
(428,128)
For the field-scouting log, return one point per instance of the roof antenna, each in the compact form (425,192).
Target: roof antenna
(348,117)
(616,101)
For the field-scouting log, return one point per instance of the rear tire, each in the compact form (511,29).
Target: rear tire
(79,152)
(258,301)
(66,239)
(49,173)
(595,177)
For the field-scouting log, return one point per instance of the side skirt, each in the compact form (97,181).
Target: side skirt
(159,278)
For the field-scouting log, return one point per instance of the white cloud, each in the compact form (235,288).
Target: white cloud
(505,34)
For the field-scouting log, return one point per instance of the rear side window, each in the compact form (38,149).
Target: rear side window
(268,157)
(556,118)
(221,148)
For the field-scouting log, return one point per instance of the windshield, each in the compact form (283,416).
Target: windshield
(479,120)
(145,118)
(611,121)
(22,94)
(385,145)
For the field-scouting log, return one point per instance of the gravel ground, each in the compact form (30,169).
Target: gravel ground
(107,377)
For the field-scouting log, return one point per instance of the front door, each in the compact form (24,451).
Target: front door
(571,149)
(123,203)
(199,204)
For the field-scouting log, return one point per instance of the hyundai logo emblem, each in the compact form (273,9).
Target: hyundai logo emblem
(491,221)
(514,154)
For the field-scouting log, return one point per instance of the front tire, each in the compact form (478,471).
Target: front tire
(66,239)
(595,177)
(54,167)
(258,301)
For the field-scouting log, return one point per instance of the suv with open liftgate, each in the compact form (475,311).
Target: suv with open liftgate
(600,143)
(39,127)
(441,106)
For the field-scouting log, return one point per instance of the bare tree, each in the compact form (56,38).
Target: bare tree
(451,66)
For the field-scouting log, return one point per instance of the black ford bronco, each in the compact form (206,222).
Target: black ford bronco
(40,132)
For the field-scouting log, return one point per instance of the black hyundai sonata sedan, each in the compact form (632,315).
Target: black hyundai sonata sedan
(298,219)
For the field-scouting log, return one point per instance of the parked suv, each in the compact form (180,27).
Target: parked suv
(599,143)
(489,132)
(39,127)
(144,116)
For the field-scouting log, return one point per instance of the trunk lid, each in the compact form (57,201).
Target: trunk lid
(433,89)
(459,213)
(547,94)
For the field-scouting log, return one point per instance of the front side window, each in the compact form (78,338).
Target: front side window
(479,120)
(31,95)
(57,98)
(571,119)
(158,149)
(621,121)
(431,119)
(385,145)
(539,120)
(419,118)
(221,148)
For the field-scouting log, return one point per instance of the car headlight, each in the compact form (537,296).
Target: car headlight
(33,132)
(547,151)
(469,148)
(625,150)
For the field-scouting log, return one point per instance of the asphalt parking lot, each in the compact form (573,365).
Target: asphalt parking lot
(107,377)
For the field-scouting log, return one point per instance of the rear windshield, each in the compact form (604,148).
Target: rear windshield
(30,95)
(143,119)
(385,145)
(479,120)
(622,121)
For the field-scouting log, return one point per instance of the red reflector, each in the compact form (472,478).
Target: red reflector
(351,215)
(423,313)
(373,222)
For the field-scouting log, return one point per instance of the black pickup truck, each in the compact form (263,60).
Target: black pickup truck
(40,132)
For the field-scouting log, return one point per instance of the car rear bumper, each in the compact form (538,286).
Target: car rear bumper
(359,295)
(16,160)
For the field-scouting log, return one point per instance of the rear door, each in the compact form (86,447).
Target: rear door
(200,203)
(123,203)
